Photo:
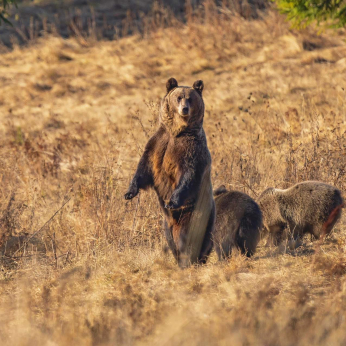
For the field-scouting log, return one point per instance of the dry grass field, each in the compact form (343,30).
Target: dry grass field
(80,265)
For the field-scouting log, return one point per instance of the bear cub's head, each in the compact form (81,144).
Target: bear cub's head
(182,108)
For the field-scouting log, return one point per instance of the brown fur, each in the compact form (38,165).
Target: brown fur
(308,207)
(332,219)
(177,164)
(238,223)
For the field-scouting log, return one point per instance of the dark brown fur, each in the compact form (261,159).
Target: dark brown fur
(238,223)
(177,163)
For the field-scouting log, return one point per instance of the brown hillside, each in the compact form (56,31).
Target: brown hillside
(76,115)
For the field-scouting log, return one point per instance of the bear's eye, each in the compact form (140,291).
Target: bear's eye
(188,99)
(179,98)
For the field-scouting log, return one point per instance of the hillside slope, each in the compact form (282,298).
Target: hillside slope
(76,115)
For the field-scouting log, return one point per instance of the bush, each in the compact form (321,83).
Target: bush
(330,13)
(4,4)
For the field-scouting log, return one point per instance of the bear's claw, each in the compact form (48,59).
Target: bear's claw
(128,195)
(131,192)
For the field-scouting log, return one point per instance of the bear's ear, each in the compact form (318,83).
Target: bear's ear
(198,86)
(220,190)
(171,84)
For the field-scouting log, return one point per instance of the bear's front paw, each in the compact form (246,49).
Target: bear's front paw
(172,205)
(132,192)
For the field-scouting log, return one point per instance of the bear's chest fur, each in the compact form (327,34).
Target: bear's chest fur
(167,165)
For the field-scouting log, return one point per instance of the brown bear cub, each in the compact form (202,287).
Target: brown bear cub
(177,164)
(308,207)
(238,223)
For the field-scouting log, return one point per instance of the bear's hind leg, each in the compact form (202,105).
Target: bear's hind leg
(169,237)
(207,244)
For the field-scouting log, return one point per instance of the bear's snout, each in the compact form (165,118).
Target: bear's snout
(185,111)
(184,108)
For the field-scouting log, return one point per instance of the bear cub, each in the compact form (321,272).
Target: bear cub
(238,223)
(308,207)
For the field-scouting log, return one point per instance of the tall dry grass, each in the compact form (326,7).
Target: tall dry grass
(81,265)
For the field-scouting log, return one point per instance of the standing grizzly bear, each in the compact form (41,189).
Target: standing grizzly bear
(308,207)
(238,223)
(177,164)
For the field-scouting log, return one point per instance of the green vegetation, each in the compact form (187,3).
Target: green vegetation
(4,4)
(330,13)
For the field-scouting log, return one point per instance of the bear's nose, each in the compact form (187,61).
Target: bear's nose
(185,110)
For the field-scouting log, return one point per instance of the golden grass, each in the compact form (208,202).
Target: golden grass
(75,119)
